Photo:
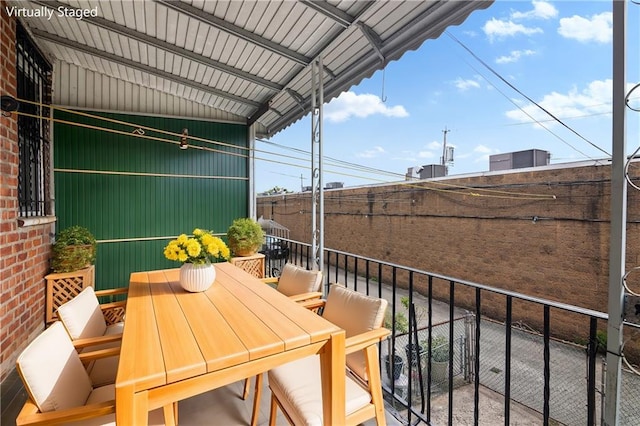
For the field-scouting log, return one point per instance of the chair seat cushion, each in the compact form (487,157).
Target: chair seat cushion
(107,393)
(82,316)
(295,280)
(116,328)
(103,371)
(298,387)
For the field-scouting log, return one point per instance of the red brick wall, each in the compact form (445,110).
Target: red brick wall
(485,237)
(24,251)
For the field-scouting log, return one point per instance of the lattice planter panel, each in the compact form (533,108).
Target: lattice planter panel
(62,287)
(252,264)
(114,315)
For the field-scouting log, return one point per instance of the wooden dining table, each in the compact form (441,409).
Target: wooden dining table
(177,344)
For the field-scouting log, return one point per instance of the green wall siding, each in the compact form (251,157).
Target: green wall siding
(123,187)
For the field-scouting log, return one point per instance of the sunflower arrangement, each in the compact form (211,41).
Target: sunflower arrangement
(203,247)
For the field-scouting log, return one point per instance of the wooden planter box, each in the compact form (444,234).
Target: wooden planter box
(64,286)
(252,264)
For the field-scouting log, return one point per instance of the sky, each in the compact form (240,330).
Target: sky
(557,54)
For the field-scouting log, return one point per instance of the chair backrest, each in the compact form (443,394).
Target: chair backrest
(82,316)
(356,313)
(52,372)
(296,280)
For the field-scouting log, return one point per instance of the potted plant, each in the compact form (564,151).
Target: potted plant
(439,358)
(401,327)
(74,249)
(245,236)
(197,253)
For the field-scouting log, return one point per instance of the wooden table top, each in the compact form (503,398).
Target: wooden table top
(171,334)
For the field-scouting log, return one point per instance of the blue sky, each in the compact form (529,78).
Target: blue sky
(557,53)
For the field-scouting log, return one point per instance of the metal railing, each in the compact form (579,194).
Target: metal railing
(557,380)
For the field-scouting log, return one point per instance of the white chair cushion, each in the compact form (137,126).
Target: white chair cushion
(298,387)
(82,316)
(295,280)
(52,372)
(355,313)
(107,393)
(103,371)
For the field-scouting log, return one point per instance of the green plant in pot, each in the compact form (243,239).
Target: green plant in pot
(439,358)
(74,249)
(245,236)
(401,327)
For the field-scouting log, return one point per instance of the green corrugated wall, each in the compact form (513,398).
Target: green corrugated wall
(135,194)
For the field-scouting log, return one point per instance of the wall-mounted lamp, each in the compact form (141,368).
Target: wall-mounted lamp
(183,139)
(8,104)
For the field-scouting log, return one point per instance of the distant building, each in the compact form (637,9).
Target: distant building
(519,160)
(334,185)
(426,172)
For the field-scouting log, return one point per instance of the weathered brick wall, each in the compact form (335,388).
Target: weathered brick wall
(24,251)
(543,233)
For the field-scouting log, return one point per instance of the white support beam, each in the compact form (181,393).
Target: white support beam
(618,231)
(317,185)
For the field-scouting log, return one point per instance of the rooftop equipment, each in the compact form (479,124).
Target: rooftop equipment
(519,160)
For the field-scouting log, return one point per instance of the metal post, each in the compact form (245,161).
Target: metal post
(251,135)
(317,194)
(618,218)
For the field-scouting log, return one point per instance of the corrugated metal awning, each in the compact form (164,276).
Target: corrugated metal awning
(245,61)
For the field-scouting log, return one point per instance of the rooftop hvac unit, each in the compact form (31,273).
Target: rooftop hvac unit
(432,171)
(413,173)
(334,185)
(519,159)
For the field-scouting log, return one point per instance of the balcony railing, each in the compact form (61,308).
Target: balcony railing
(489,340)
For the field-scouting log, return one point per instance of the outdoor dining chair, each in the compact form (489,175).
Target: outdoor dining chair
(84,320)
(297,283)
(58,386)
(300,285)
(296,387)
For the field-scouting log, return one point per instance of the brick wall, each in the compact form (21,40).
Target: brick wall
(24,251)
(507,232)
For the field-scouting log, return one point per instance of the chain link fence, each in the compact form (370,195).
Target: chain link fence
(568,371)
(412,361)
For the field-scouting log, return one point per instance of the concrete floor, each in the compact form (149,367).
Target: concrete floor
(225,406)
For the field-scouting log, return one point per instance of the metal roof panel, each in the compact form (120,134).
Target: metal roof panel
(242,56)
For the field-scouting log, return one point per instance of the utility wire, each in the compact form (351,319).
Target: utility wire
(523,95)
(431,185)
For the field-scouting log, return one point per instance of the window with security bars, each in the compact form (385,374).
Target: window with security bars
(34,92)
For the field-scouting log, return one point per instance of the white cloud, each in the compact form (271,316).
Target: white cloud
(598,28)
(514,56)
(349,104)
(466,84)
(497,29)
(541,10)
(371,153)
(427,151)
(594,99)
(482,153)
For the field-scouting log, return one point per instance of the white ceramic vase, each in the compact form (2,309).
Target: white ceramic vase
(195,278)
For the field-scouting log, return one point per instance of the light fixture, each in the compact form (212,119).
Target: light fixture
(8,103)
(183,139)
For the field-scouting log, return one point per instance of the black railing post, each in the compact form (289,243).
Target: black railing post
(476,360)
(451,318)
(547,368)
(592,350)
(507,362)
(355,273)
(429,342)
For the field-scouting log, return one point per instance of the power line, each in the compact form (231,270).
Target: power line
(524,95)
(431,185)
